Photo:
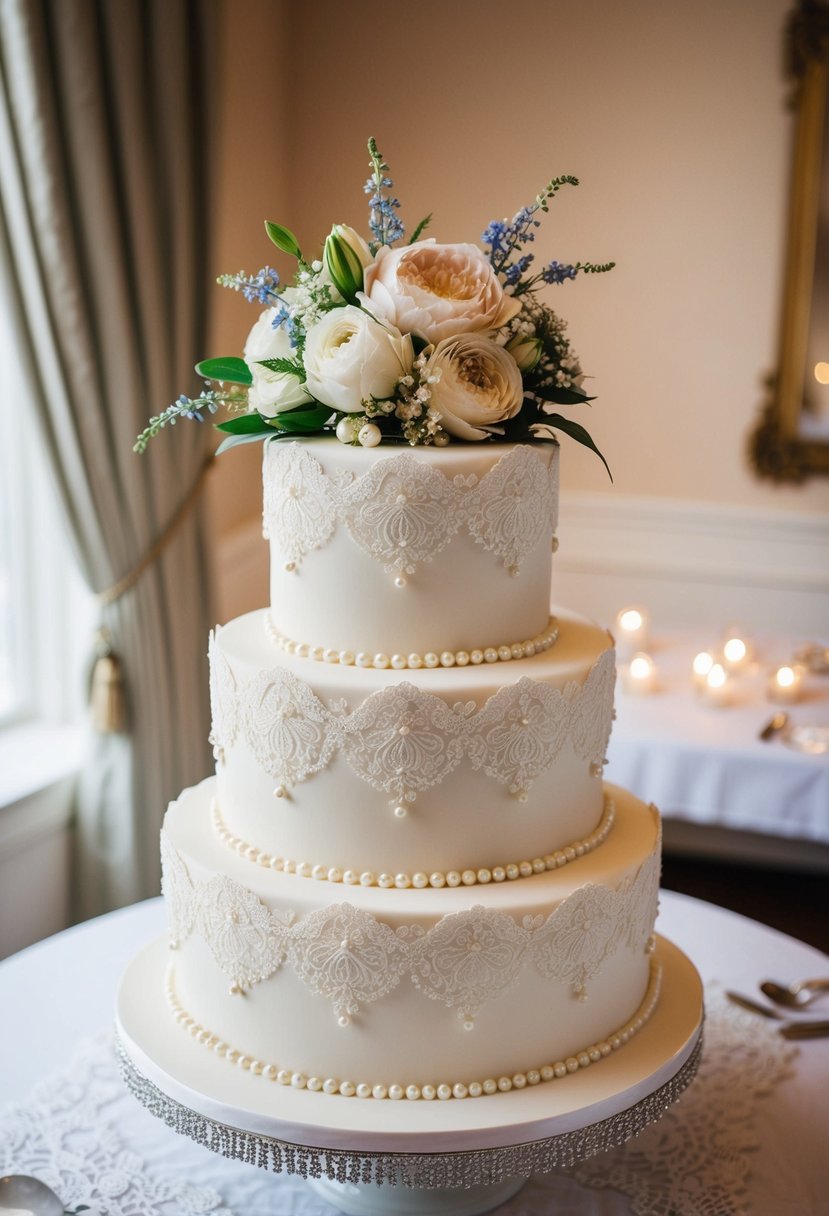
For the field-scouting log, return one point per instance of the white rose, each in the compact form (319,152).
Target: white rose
(350,357)
(479,385)
(272,392)
(437,291)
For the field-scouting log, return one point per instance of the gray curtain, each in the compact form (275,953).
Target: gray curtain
(104,117)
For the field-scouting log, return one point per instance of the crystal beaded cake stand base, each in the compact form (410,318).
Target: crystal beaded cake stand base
(423,1151)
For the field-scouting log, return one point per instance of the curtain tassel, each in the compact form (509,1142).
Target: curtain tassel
(107,699)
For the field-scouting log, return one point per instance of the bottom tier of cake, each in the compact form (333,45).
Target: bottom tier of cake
(417,992)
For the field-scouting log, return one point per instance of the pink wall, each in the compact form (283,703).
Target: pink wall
(671,114)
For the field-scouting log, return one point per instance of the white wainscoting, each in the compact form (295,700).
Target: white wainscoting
(694,563)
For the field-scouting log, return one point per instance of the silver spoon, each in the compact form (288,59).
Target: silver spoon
(775,724)
(797,995)
(28,1197)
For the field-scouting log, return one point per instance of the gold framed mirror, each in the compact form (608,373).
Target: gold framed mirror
(791,441)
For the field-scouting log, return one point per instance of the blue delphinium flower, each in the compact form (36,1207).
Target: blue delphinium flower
(557,272)
(259,288)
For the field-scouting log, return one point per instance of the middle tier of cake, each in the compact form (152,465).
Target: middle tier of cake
(424,777)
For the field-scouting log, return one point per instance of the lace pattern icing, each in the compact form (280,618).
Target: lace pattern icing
(351,958)
(404,511)
(403,740)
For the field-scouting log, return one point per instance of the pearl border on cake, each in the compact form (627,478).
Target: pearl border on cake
(403,662)
(443,1090)
(419,880)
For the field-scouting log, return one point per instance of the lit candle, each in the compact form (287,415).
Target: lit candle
(640,674)
(703,662)
(632,625)
(737,651)
(715,688)
(784,685)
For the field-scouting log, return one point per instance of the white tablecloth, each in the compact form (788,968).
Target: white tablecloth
(706,764)
(62,990)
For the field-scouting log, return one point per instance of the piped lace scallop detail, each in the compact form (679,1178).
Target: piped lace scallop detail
(353,958)
(403,740)
(405,511)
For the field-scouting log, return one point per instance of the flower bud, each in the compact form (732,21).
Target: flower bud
(525,351)
(344,256)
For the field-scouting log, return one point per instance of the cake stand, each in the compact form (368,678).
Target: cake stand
(376,1158)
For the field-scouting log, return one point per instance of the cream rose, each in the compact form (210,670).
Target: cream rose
(478,385)
(350,357)
(437,291)
(272,392)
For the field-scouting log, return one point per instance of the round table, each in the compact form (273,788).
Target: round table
(62,990)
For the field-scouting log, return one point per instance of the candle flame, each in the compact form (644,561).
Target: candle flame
(717,676)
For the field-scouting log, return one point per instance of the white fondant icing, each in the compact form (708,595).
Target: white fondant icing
(521,956)
(429,771)
(366,544)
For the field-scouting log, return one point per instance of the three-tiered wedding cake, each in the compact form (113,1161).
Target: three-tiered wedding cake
(407,879)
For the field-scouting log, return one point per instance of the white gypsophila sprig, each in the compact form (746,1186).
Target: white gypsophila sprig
(559,365)
(420,422)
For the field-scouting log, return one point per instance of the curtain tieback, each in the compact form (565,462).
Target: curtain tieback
(107,697)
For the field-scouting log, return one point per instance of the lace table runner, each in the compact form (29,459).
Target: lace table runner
(87,1138)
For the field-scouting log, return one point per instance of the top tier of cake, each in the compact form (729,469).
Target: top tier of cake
(410,554)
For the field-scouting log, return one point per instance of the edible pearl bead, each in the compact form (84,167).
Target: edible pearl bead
(491,654)
(379,1092)
(381,660)
(453,878)
(437,879)
(369,435)
(385,880)
(398,661)
(314,1084)
(431,659)
(428,1092)
(346,430)
(400,581)
(447,659)
(363,1090)
(347,1089)
(347,658)
(413,1092)
(396,1092)
(475,1089)
(402,881)
(420,880)
(444,1092)
(400,812)
(459,1090)
(441,439)
(462,658)
(330,1086)
(415,661)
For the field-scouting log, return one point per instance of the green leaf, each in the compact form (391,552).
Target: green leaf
(291,367)
(576,431)
(235,441)
(564,396)
(244,424)
(284,239)
(303,421)
(231,369)
(422,226)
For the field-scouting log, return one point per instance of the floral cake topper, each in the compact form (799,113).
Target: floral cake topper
(377,341)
